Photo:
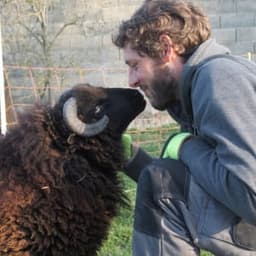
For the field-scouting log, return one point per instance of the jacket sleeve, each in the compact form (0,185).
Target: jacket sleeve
(137,163)
(222,156)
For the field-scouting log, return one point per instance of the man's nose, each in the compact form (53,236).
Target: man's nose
(133,80)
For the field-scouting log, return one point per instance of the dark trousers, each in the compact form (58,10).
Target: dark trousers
(175,216)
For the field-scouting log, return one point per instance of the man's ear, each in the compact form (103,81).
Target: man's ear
(167,47)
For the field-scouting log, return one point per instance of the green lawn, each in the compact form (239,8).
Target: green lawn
(119,239)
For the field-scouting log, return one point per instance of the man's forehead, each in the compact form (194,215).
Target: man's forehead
(131,55)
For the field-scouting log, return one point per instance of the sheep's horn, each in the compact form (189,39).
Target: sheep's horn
(76,125)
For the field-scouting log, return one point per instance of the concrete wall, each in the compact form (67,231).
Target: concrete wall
(233,23)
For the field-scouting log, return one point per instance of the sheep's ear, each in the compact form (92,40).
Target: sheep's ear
(79,127)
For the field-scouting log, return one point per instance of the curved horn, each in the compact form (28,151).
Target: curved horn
(76,125)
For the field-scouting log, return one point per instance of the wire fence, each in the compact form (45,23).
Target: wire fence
(26,85)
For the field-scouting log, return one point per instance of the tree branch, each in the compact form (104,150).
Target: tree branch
(35,35)
(72,23)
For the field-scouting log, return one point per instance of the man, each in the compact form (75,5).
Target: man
(201,193)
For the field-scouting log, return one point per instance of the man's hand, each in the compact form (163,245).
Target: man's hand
(173,147)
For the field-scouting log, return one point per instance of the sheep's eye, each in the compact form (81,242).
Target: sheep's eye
(98,109)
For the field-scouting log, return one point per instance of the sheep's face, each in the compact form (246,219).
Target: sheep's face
(89,110)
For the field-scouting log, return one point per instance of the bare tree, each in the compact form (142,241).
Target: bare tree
(29,38)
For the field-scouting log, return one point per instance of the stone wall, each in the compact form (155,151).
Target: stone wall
(90,46)
(233,23)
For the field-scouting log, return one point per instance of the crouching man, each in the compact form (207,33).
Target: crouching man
(201,193)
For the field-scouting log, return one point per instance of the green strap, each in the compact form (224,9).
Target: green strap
(127,145)
(173,147)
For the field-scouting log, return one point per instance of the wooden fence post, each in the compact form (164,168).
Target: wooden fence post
(2,89)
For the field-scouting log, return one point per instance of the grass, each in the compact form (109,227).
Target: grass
(120,234)
(119,240)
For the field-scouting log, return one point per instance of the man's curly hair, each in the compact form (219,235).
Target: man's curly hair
(182,21)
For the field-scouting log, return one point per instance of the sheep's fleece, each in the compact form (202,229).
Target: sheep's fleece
(59,190)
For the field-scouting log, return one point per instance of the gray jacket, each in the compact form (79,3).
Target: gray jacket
(218,105)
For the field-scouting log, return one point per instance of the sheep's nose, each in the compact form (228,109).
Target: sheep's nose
(137,95)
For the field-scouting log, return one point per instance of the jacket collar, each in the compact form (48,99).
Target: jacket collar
(183,112)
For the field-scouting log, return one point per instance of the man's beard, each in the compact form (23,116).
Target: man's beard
(163,90)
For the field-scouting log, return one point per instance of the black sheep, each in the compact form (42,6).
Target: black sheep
(59,186)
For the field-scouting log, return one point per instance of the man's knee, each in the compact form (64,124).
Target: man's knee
(164,178)
(161,179)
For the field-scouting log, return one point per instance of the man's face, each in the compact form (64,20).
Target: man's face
(154,77)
